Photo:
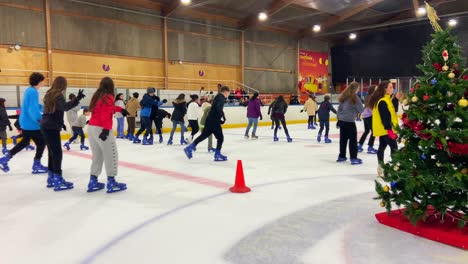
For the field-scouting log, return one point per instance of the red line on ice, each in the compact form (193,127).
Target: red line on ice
(172,174)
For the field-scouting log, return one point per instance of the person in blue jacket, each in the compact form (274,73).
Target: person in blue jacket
(324,117)
(147,103)
(31,114)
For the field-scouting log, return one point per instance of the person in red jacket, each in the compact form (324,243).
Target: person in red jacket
(103,145)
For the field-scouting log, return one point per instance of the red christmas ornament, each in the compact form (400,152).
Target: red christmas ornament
(455,66)
(437,66)
(426,97)
(445,55)
(465,77)
(412,90)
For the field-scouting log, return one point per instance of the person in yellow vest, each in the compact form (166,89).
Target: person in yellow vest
(384,121)
(310,107)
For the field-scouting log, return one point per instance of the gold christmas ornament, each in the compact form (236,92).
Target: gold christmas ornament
(396,168)
(445,68)
(451,75)
(382,204)
(405,102)
(414,99)
(386,188)
(463,102)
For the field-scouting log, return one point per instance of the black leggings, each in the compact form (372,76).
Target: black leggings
(54,147)
(367,130)
(348,133)
(326,124)
(311,120)
(145,125)
(77,131)
(37,137)
(211,128)
(383,142)
(283,123)
(194,126)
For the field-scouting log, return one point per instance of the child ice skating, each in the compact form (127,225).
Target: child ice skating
(29,122)
(4,123)
(253,114)
(180,109)
(278,110)
(132,107)
(120,118)
(213,123)
(310,107)
(20,131)
(101,140)
(72,114)
(77,128)
(324,116)
(193,112)
(350,106)
(367,117)
(51,124)
(384,121)
(159,117)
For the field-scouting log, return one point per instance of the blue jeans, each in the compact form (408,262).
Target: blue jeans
(120,126)
(253,121)
(182,128)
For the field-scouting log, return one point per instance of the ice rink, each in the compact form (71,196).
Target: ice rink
(303,208)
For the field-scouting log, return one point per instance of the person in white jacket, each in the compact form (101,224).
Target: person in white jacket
(310,107)
(120,118)
(193,112)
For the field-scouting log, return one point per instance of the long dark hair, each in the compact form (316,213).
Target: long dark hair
(117,97)
(180,99)
(378,94)
(369,94)
(2,102)
(255,96)
(280,99)
(105,87)
(59,86)
(350,93)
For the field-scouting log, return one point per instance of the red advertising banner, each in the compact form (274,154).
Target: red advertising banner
(313,73)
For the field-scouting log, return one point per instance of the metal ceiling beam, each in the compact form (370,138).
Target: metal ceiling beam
(147,4)
(273,8)
(336,19)
(411,13)
(168,9)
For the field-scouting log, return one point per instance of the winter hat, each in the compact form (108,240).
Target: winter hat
(150,90)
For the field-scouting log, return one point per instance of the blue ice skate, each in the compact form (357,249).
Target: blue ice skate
(327,140)
(169,142)
(4,162)
(319,138)
(83,147)
(29,147)
(38,168)
(5,151)
(94,185)
(289,139)
(67,146)
(183,142)
(341,159)
(189,150)
(60,184)
(136,140)
(359,148)
(50,179)
(371,150)
(356,161)
(113,186)
(219,157)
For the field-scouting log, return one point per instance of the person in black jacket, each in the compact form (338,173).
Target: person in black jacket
(154,115)
(213,123)
(324,117)
(4,123)
(180,110)
(278,109)
(51,124)
(158,121)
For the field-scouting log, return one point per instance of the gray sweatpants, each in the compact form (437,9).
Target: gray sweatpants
(103,152)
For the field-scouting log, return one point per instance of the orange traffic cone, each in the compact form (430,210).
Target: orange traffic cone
(239,185)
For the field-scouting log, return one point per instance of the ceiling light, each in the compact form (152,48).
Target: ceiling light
(452,22)
(316,28)
(421,11)
(262,16)
(186,2)
(352,36)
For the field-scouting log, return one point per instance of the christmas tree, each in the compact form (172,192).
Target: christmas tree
(428,176)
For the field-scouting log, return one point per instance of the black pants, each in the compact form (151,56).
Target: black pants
(194,126)
(145,125)
(283,123)
(158,124)
(38,139)
(211,128)
(131,125)
(315,117)
(385,141)
(348,133)
(326,124)
(54,147)
(78,131)
(367,130)
(311,120)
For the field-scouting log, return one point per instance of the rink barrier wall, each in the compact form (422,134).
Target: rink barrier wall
(235,115)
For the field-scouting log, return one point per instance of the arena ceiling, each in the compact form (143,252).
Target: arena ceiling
(297,17)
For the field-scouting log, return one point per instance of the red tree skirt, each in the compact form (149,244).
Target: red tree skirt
(447,232)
